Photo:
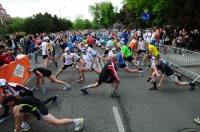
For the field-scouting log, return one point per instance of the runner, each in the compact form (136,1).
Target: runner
(37,108)
(18,91)
(45,51)
(123,65)
(152,49)
(126,55)
(68,60)
(166,71)
(93,52)
(141,48)
(90,65)
(108,75)
(44,72)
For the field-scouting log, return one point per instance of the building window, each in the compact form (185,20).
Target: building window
(2,12)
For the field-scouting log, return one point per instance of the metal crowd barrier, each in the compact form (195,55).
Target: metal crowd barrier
(183,61)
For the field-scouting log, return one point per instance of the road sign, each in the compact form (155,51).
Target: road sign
(145,16)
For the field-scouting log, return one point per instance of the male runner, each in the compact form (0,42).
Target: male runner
(166,71)
(35,106)
(44,72)
(68,60)
(18,91)
(108,75)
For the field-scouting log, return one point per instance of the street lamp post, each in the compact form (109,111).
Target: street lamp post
(60,10)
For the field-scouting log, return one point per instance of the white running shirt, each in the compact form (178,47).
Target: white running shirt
(91,51)
(68,58)
(87,58)
(44,48)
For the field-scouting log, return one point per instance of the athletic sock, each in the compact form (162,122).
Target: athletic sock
(75,121)
(85,87)
(154,84)
(24,123)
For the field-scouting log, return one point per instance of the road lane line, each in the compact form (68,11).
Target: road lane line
(118,119)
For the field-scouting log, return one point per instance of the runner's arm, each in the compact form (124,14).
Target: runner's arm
(161,80)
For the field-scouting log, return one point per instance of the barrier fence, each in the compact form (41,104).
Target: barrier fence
(183,61)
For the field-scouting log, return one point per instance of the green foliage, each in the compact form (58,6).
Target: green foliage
(40,23)
(184,13)
(16,24)
(79,23)
(103,13)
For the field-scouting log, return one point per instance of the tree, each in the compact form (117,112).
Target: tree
(87,24)
(45,23)
(16,24)
(103,13)
(184,13)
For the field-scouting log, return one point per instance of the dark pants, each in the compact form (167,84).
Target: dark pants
(178,46)
(191,46)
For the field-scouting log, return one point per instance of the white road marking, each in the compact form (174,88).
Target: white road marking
(118,119)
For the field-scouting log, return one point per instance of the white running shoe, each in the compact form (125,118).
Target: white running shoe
(24,128)
(140,73)
(79,125)
(67,87)
(197,120)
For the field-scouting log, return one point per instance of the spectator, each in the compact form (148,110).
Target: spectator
(13,44)
(179,42)
(6,58)
(193,40)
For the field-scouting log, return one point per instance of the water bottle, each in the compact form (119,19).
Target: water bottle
(43,91)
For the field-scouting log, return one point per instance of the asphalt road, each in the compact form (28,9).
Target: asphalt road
(169,109)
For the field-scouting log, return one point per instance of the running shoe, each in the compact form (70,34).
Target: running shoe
(79,125)
(153,88)
(140,73)
(4,118)
(193,85)
(115,95)
(67,87)
(55,100)
(34,89)
(25,128)
(84,91)
(197,120)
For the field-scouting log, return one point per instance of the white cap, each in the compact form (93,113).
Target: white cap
(86,45)
(67,49)
(46,38)
(2,82)
(83,49)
